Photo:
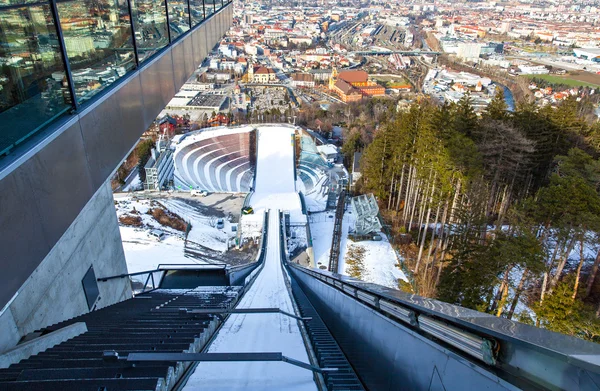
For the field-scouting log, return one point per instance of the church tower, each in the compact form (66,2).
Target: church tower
(250,72)
(333,77)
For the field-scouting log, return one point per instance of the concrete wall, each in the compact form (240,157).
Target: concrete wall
(57,215)
(53,292)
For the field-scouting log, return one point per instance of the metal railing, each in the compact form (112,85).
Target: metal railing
(521,353)
(140,282)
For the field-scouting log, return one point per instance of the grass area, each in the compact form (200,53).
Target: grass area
(554,79)
(392,78)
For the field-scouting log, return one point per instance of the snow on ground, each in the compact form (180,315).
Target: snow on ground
(259,333)
(144,253)
(300,186)
(135,184)
(297,238)
(380,262)
(275,187)
(204,229)
(321,231)
(380,258)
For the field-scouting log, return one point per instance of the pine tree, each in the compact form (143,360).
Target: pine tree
(465,119)
(497,109)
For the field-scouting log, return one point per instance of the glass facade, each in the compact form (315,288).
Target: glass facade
(99,41)
(210,7)
(197,11)
(32,73)
(150,22)
(179,17)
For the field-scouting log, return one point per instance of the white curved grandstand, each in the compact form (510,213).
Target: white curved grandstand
(217,160)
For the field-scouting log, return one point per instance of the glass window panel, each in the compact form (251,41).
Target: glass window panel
(179,17)
(197,8)
(97,36)
(209,6)
(150,23)
(19,2)
(33,88)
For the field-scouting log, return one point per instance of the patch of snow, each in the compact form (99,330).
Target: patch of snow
(380,262)
(380,258)
(204,230)
(143,253)
(136,184)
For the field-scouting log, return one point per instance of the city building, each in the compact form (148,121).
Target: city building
(351,86)
(303,80)
(468,50)
(262,75)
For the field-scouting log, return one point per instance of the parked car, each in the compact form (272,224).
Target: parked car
(200,193)
(220,223)
(157,234)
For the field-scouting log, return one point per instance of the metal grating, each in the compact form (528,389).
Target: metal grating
(328,352)
(334,255)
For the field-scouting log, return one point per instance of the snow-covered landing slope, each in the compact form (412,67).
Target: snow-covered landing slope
(275,187)
(259,333)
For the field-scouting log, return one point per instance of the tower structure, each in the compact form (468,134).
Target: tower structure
(333,77)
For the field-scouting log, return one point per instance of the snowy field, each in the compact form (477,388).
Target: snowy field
(259,333)
(143,252)
(380,258)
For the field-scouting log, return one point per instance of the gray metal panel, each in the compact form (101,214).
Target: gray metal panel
(101,127)
(188,56)
(179,72)
(212,34)
(60,181)
(196,49)
(158,87)
(203,40)
(22,238)
(111,128)
(131,103)
(387,355)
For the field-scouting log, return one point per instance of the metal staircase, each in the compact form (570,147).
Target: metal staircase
(148,323)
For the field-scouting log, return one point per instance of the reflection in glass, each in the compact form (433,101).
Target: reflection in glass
(197,9)
(150,23)
(33,89)
(97,36)
(210,7)
(179,18)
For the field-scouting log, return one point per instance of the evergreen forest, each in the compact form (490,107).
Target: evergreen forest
(498,212)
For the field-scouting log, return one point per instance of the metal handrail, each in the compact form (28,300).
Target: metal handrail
(500,343)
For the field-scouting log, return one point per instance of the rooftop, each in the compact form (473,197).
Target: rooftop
(207,100)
